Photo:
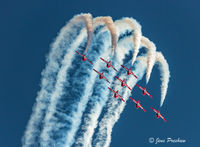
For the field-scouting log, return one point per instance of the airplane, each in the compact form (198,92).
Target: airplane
(137,104)
(108,64)
(144,91)
(84,57)
(123,83)
(101,75)
(158,114)
(116,95)
(129,71)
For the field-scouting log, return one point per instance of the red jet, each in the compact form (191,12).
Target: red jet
(129,71)
(101,75)
(84,57)
(123,83)
(137,104)
(108,64)
(144,91)
(158,114)
(116,95)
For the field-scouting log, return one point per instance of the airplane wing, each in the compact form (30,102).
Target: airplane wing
(154,110)
(106,79)
(139,86)
(121,98)
(96,71)
(118,78)
(133,100)
(128,86)
(89,61)
(124,67)
(103,60)
(163,118)
(134,74)
(142,108)
(113,68)
(79,53)
(111,90)
(148,94)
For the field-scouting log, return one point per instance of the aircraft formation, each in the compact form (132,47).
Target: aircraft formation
(123,84)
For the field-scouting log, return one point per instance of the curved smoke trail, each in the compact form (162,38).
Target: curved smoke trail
(54,59)
(114,37)
(151,55)
(89,26)
(165,75)
(76,20)
(67,78)
(111,27)
(136,34)
(76,106)
(138,40)
(50,121)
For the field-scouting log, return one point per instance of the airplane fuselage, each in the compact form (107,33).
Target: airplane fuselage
(144,91)
(129,72)
(137,106)
(116,95)
(108,64)
(101,76)
(123,83)
(157,114)
(84,58)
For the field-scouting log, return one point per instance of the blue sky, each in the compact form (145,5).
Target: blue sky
(27,28)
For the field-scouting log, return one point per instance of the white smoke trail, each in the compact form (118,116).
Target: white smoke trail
(114,108)
(89,26)
(111,27)
(49,120)
(165,75)
(58,49)
(96,103)
(75,118)
(138,40)
(151,55)
(137,34)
